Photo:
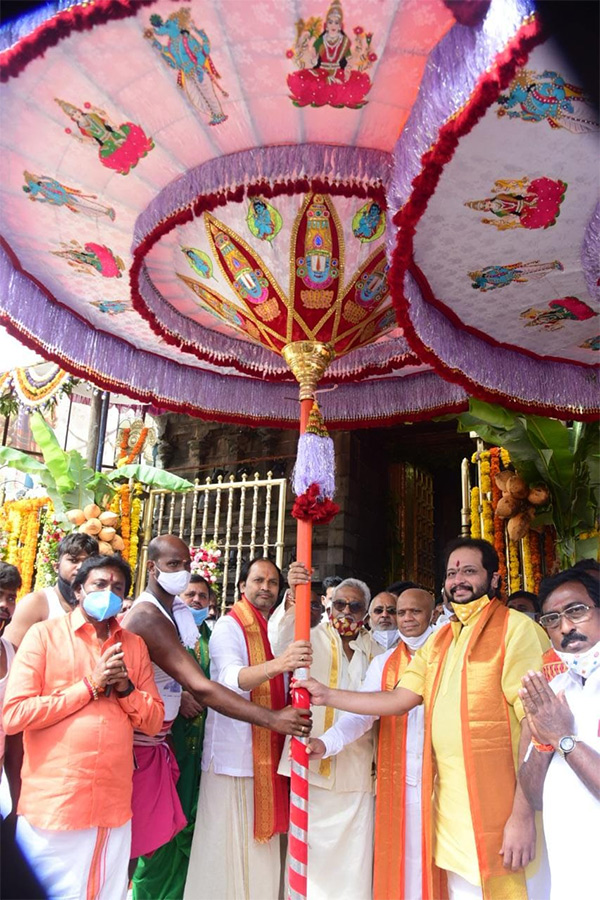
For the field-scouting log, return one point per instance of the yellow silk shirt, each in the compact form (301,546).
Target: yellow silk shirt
(454,839)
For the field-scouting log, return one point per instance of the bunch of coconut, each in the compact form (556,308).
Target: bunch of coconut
(519,503)
(101,525)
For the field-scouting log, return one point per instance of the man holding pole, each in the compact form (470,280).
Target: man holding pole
(244,804)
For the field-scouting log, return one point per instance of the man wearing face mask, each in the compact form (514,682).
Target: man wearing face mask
(52,602)
(78,687)
(382,620)
(163,620)
(478,840)
(163,874)
(562,716)
(399,757)
(340,797)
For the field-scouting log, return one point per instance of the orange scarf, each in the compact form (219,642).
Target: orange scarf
(271,791)
(552,664)
(488,754)
(389,868)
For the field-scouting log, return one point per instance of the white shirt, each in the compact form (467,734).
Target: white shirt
(571,812)
(228,742)
(351,726)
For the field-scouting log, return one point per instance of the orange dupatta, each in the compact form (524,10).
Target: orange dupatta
(388,862)
(552,664)
(488,753)
(271,793)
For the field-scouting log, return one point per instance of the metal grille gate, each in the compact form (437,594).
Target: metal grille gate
(244,518)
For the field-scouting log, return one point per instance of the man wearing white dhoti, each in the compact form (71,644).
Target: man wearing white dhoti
(561,771)
(398,850)
(340,795)
(75,805)
(243,802)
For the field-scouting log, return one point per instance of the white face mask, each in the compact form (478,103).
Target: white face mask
(386,639)
(174,583)
(582,663)
(413,643)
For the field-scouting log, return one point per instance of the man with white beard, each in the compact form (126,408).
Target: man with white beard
(397,858)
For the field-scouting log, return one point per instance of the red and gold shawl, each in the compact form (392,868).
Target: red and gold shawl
(271,791)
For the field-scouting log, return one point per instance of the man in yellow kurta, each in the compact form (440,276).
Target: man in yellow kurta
(479,831)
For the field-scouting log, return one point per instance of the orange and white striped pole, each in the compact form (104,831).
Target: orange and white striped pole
(298,833)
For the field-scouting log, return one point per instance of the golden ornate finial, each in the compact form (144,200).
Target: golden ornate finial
(308,360)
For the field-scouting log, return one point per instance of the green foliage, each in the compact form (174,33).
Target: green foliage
(151,477)
(565,457)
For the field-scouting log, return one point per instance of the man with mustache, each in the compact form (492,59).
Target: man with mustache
(340,796)
(52,602)
(478,829)
(382,620)
(563,717)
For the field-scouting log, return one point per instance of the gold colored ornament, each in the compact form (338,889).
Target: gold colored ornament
(308,361)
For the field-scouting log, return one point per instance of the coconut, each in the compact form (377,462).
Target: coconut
(502,479)
(107,534)
(92,511)
(517,487)
(118,543)
(539,495)
(92,526)
(109,519)
(518,526)
(105,549)
(76,516)
(507,506)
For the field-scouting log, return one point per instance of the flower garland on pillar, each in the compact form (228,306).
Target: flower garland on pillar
(21,522)
(475,517)
(47,554)
(134,530)
(499,544)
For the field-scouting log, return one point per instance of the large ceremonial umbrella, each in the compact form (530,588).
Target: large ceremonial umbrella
(196,198)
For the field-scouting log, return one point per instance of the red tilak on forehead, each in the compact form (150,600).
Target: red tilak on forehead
(458,562)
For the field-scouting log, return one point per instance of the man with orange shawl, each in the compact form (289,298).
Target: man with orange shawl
(243,802)
(478,829)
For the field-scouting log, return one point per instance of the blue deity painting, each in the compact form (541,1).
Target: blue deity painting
(187,50)
(199,261)
(535,97)
(492,277)
(263,220)
(372,286)
(48,190)
(369,222)
(111,307)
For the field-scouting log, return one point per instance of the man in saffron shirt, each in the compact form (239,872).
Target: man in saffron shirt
(479,831)
(78,687)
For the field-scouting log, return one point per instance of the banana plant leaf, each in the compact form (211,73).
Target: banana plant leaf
(150,476)
(55,457)
(16,459)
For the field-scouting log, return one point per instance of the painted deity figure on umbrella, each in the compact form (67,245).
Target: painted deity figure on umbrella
(477,842)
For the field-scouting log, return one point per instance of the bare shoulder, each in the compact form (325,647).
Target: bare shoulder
(30,609)
(150,624)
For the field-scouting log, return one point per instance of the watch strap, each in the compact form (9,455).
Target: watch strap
(128,690)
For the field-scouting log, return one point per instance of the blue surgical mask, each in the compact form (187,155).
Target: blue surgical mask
(102,605)
(199,615)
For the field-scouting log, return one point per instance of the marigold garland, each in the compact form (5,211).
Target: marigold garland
(499,544)
(136,515)
(549,550)
(124,442)
(514,572)
(528,579)
(536,559)
(138,446)
(487,517)
(125,506)
(51,533)
(21,521)
(475,519)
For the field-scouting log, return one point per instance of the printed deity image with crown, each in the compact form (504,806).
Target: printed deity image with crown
(318,268)
(332,69)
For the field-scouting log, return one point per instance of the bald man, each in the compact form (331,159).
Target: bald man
(167,626)
(382,620)
(397,859)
